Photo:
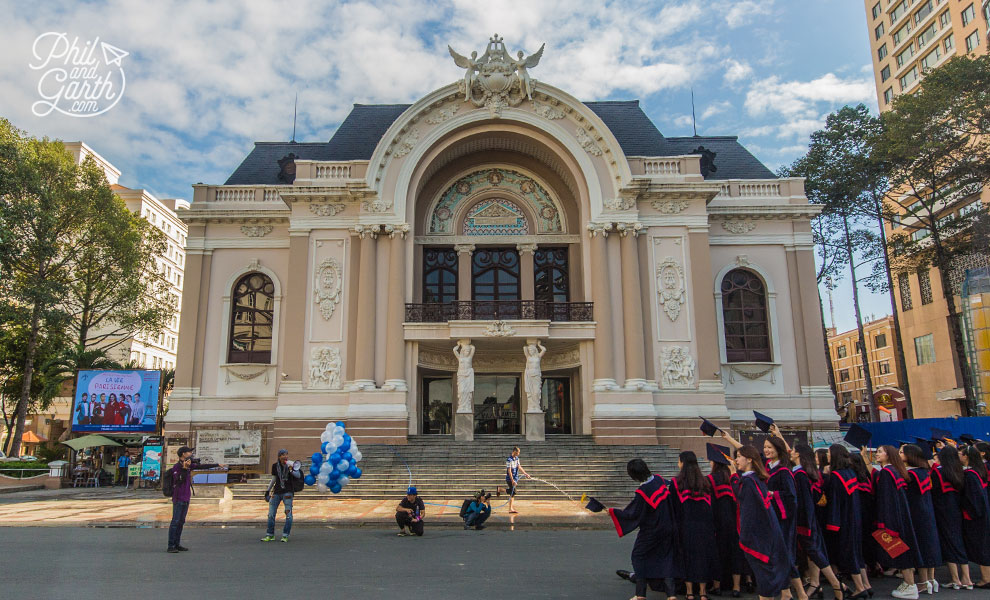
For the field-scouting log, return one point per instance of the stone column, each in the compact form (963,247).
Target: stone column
(295,314)
(632,310)
(602,298)
(527,274)
(364,356)
(464,254)
(197,272)
(703,301)
(395,342)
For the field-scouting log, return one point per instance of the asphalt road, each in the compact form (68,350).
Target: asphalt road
(105,564)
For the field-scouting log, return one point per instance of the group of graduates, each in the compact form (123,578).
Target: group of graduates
(782,518)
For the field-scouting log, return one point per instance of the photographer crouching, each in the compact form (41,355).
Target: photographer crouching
(478,511)
(286,480)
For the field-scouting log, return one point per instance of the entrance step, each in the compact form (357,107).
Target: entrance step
(442,468)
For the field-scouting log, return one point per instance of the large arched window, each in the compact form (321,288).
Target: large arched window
(744,312)
(439,275)
(251,320)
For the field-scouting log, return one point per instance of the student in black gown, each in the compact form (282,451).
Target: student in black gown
(868,510)
(844,519)
(781,483)
(947,485)
(894,516)
(730,556)
(807,483)
(976,512)
(919,498)
(695,524)
(760,536)
(654,554)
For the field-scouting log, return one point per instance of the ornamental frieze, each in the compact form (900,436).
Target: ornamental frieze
(518,185)
(328,287)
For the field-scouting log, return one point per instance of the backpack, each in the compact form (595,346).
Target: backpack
(465,507)
(297,483)
(168,483)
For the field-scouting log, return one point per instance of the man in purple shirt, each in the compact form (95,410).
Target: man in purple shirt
(181,475)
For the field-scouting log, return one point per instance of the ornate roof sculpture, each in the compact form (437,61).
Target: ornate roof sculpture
(496,80)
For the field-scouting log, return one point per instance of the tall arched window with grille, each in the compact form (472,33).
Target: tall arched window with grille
(251,320)
(744,313)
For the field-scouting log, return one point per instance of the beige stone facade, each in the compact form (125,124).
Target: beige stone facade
(364,321)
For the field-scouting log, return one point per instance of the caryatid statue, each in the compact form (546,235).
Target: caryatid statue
(533,376)
(464,351)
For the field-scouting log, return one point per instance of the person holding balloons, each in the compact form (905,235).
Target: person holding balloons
(285,481)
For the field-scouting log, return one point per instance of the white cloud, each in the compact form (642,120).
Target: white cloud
(736,71)
(799,98)
(743,12)
(716,108)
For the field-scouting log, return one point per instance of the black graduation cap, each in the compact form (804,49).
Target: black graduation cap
(968,438)
(594,505)
(903,443)
(718,454)
(940,434)
(858,436)
(708,428)
(763,422)
(925,445)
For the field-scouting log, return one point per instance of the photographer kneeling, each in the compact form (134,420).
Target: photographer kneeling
(478,511)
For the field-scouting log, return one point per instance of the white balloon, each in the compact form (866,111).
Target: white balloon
(330,427)
(321,487)
(332,447)
(326,436)
(322,478)
(353,449)
(325,468)
(357,456)
(337,441)
(343,466)
(338,430)
(343,480)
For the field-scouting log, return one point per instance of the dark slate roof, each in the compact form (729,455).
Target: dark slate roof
(359,134)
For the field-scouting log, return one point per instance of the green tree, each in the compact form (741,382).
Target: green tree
(45,201)
(936,150)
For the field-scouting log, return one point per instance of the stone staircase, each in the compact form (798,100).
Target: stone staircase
(444,469)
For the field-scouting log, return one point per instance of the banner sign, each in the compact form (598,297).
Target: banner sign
(116,401)
(151,463)
(229,446)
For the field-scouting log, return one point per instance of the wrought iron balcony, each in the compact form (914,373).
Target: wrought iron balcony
(498,310)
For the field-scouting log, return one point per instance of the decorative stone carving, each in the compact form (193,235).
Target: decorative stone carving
(443,114)
(753,375)
(328,286)
(375,205)
(533,376)
(634,228)
(587,142)
(256,230)
(599,228)
(562,359)
(324,368)
(547,112)
(620,203)
(392,230)
(671,287)
(464,351)
(464,248)
(499,329)
(677,366)
(251,375)
(742,260)
(437,360)
(495,80)
(670,206)
(467,188)
(326,210)
(405,145)
(738,226)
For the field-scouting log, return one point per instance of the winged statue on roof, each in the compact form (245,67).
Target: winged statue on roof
(495,80)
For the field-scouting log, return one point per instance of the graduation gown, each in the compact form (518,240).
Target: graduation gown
(948,518)
(654,554)
(868,510)
(844,521)
(976,518)
(730,556)
(760,536)
(781,484)
(696,526)
(919,497)
(809,534)
(894,515)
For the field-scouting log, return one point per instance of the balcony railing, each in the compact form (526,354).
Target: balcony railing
(498,310)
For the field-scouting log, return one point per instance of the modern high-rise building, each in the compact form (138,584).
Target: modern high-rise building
(908,38)
(850,378)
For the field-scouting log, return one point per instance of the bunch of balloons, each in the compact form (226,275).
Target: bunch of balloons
(336,463)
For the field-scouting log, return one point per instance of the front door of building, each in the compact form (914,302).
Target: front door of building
(438,405)
(557,404)
(496,404)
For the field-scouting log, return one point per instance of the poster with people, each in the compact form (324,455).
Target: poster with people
(116,401)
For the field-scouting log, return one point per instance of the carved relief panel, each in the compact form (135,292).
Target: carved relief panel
(327,281)
(670,289)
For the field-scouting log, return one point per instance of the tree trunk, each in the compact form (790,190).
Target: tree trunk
(25,399)
(958,346)
(828,356)
(901,363)
(864,355)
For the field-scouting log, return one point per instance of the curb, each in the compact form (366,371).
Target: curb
(342,524)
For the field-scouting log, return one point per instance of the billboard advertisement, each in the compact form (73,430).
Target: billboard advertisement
(151,463)
(116,401)
(229,446)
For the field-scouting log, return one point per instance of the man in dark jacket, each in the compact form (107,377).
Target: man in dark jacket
(281,491)
(181,475)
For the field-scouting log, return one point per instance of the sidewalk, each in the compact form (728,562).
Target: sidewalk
(129,508)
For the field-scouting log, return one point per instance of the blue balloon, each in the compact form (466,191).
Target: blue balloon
(352,471)
(309,480)
(314,470)
(334,458)
(317,458)
(348,457)
(341,423)
(345,444)
(325,446)
(334,475)
(357,473)
(335,488)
